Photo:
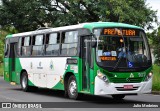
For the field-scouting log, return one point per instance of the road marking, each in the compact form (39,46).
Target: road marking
(12,99)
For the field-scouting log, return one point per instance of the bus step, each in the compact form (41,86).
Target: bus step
(12,83)
(87,92)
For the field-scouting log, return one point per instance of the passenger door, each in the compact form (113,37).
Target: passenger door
(86,60)
(12,62)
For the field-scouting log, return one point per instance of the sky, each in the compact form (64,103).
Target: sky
(155,4)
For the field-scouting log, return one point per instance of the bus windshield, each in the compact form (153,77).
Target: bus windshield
(118,49)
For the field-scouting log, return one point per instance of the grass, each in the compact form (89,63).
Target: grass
(1,69)
(156,78)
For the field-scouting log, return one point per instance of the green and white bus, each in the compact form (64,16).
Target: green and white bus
(99,58)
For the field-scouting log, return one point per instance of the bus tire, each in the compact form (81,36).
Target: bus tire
(118,96)
(72,88)
(24,83)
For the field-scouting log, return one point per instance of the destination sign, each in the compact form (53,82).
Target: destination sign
(120,32)
(104,58)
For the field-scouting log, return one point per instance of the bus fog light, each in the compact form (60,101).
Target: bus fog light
(105,78)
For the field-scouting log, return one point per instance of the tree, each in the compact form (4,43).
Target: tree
(3,32)
(2,39)
(155,43)
(27,15)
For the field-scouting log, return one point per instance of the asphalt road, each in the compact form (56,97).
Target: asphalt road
(13,93)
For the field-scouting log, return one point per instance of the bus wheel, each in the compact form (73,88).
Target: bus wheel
(24,83)
(118,97)
(72,88)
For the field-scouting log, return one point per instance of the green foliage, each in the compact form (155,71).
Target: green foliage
(27,15)
(1,51)
(1,69)
(155,44)
(3,32)
(2,39)
(156,78)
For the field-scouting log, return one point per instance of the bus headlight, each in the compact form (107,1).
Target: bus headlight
(148,77)
(102,76)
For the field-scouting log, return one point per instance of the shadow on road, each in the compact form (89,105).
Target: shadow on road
(83,97)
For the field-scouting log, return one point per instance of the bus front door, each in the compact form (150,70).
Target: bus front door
(86,55)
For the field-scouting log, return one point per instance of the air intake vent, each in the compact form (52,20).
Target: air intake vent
(126,80)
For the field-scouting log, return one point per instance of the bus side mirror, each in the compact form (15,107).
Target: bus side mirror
(94,41)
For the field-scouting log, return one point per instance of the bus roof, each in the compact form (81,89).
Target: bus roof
(109,24)
(89,26)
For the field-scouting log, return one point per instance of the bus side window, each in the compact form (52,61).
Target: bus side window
(26,46)
(38,47)
(52,44)
(19,46)
(69,43)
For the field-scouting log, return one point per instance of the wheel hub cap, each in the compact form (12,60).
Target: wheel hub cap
(72,87)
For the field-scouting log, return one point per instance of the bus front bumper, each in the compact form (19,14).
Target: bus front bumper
(103,88)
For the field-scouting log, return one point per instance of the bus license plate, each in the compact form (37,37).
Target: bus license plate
(128,86)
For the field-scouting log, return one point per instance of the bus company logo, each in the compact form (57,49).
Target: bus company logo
(51,65)
(127,79)
(40,66)
(131,75)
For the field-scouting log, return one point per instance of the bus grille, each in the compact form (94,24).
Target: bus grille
(126,80)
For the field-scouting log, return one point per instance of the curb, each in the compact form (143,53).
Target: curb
(155,92)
